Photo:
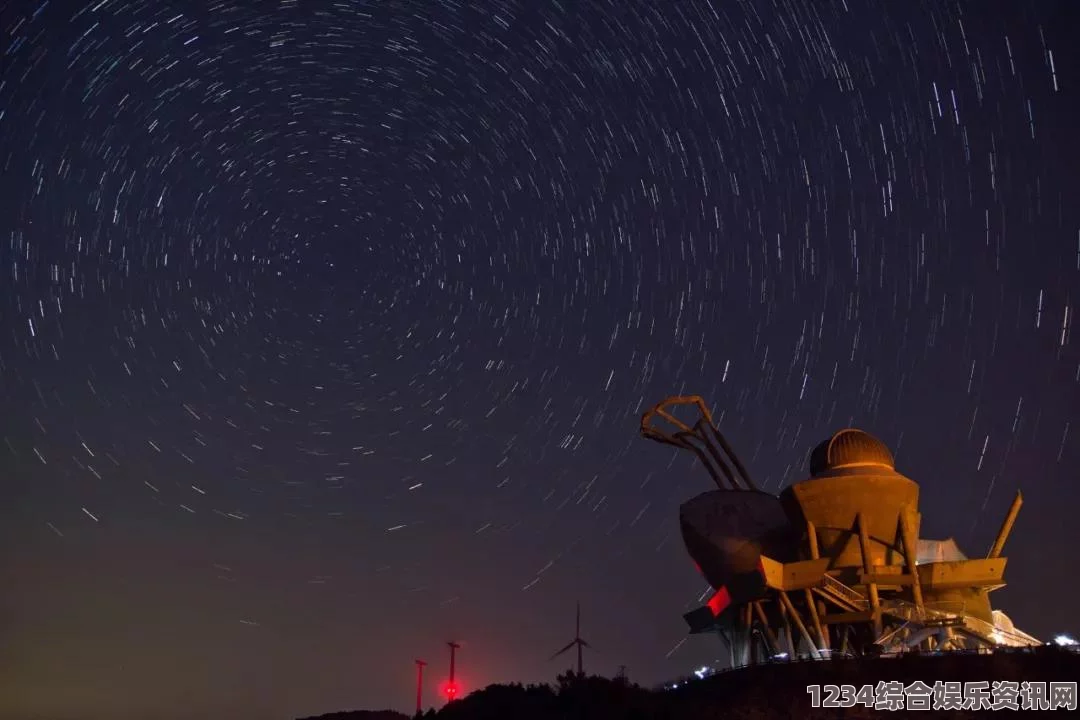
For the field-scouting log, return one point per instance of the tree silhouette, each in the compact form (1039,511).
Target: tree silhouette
(495,702)
(761,693)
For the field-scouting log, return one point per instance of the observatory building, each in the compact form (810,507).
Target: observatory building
(835,563)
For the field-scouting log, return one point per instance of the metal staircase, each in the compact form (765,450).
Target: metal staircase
(844,596)
(912,615)
(999,636)
(973,626)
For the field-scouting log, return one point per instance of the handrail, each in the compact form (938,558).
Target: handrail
(1014,637)
(912,613)
(985,630)
(852,596)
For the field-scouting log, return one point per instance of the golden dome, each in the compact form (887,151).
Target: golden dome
(850,448)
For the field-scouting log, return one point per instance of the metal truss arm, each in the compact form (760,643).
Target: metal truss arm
(703,439)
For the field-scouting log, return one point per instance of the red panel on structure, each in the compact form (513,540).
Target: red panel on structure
(719,602)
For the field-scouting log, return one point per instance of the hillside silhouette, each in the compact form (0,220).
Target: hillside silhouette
(361,715)
(777,690)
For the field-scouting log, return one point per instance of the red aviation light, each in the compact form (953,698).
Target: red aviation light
(451,690)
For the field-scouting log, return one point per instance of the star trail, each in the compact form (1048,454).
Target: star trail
(326,327)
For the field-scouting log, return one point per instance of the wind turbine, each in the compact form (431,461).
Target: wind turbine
(452,686)
(420,686)
(578,641)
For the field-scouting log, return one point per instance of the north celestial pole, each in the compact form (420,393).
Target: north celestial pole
(325,328)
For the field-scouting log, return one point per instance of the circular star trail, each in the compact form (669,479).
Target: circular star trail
(326,327)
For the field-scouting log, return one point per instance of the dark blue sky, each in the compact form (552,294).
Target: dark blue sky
(325,328)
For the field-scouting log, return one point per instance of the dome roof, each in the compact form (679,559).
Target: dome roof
(850,449)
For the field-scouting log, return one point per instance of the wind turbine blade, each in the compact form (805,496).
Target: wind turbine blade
(585,644)
(563,650)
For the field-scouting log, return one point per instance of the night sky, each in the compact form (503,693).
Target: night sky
(326,327)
